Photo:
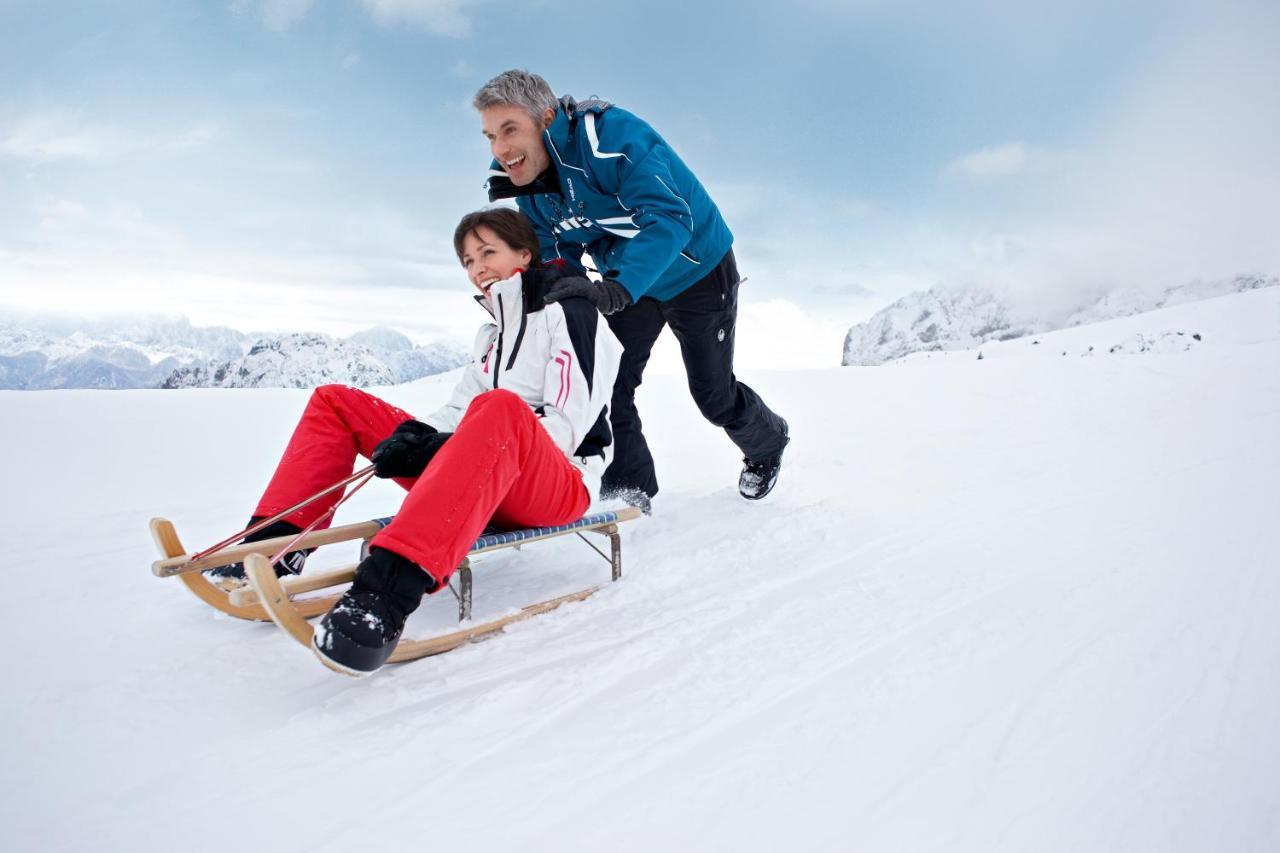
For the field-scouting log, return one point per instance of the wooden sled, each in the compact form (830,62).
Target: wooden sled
(269,597)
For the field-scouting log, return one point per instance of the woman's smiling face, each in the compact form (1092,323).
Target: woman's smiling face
(487,258)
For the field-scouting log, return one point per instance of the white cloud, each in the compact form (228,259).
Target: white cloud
(1176,178)
(51,136)
(276,15)
(195,136)
(283,14)
(853,208)
(75,228)
(361,268)
(779,334)
(247,292)
(59,213)
(46,137)
(1180,179)
(773,334)
(997,161)
(442,17)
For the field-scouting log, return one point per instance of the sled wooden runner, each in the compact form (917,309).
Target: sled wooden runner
(274,597)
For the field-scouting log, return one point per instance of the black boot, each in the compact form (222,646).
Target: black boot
(760,475)
(361,631)
(232,577)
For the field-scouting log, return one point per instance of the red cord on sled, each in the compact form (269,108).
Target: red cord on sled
(366,473)
(330,511)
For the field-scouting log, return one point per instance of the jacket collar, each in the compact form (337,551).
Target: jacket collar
(500,186)
(505,296)
(524,290)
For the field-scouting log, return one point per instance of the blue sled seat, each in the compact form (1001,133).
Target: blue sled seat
(511,537)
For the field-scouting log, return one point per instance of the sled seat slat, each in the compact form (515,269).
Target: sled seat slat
(506,538)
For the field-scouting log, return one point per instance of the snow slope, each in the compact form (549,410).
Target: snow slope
(1022,603)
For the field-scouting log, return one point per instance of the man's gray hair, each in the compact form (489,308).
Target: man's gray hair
(520,89)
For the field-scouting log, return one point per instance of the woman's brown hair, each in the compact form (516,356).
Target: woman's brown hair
(511,226)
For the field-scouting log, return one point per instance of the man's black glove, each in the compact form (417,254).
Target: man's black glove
(406,452)
(608,296)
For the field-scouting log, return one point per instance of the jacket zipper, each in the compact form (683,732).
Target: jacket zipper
(497,362)
(515,350)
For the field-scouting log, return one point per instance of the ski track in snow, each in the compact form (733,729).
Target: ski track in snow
(1023,603)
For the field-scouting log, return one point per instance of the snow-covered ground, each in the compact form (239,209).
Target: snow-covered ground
(1023,603)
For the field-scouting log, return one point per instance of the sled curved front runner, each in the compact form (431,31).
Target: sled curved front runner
(166,538)
(291,617)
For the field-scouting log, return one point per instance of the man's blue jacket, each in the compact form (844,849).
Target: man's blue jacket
(616,190)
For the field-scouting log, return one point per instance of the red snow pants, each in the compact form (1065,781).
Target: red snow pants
(500,464)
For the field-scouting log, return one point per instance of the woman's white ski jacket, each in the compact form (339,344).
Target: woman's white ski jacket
(559,357)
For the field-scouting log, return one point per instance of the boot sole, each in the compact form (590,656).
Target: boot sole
(356,654)
(336,666)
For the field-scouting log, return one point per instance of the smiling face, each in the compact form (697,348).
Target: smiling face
(488,258)
(516,141)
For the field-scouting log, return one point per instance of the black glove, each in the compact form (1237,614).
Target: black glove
(406,452)
(608,296)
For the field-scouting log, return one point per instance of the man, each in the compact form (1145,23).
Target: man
(594,178)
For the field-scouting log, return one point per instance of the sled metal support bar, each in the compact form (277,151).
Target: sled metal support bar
(615,542)
(463,592)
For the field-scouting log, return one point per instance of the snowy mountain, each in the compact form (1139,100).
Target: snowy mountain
(50,351)
(289,361)
(955,319)
(306,360)
(406,361)
(156,337)
(44,352)
(1020,604)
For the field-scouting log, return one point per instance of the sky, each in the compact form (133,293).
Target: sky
(300,164)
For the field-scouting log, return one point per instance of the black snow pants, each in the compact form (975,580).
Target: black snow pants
(702,319)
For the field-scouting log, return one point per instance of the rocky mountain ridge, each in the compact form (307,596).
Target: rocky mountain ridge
(45,352)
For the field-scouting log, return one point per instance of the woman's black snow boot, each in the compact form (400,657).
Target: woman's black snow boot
(361,631)
(232,577)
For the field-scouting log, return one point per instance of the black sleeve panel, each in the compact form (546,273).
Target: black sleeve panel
(581,319)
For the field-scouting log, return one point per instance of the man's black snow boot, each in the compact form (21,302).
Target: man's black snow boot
(760,475)
(361,631)
(232,577)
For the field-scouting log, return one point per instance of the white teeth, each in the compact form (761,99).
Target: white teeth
(519,159)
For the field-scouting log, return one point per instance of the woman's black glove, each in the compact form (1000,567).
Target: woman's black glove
(406,452)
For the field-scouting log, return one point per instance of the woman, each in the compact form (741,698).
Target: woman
(522,442)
